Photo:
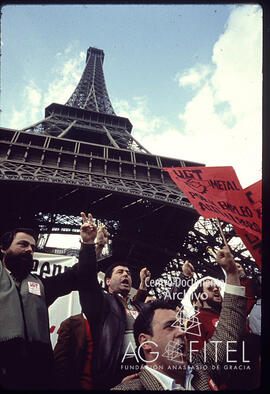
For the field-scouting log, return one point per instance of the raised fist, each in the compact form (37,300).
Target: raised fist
(188,269)
(225,260)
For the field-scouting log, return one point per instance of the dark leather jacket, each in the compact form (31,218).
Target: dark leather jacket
(107,318)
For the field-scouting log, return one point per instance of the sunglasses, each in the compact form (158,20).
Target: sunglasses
(211,288)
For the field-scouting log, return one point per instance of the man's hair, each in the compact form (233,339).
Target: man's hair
(197,292)
(143,323)
(109,271)
(7,238)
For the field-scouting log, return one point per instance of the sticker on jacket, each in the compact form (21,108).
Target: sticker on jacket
(34,288)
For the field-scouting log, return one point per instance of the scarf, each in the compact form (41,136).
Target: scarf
(23,311)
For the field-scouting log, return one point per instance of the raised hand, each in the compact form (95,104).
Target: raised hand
(88,230)
(102,239)
(225,260)
(188,269)
(102,235)
(145,276)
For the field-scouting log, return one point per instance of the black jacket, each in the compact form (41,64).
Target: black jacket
(107,318)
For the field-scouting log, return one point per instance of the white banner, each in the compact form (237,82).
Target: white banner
(48,265)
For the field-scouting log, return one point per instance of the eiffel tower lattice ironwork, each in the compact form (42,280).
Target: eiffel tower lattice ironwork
(88,114)
(82,157)
(91,92)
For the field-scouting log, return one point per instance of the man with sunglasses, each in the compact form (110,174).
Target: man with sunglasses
(209,303)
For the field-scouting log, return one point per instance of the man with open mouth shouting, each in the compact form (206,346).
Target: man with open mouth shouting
(163,348)
(111,314)
(210,300)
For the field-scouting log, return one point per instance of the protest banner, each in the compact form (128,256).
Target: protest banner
(46,265)
(253,242)
(215,192)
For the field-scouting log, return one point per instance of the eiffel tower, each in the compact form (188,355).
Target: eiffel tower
(82,157)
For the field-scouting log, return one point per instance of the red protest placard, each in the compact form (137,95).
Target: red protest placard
(254,195)
(215,192)
(253,242)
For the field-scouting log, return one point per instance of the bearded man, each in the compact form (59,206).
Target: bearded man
(209,304)
(26,357)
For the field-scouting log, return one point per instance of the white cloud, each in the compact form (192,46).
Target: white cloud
(66,75)
(18,119)
(139,114)
(193,77)
(223,120)
(238,59)
(33,95)
(32,100)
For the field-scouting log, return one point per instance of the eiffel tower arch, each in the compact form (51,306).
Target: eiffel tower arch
(82,157)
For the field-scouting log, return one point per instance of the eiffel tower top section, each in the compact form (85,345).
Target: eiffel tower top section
(91,92)
(88,115)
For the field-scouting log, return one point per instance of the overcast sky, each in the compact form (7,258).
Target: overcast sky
(189,77)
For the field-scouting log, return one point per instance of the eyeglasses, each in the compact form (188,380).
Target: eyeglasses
(211,288)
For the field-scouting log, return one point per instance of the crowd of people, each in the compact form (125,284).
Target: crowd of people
(119,342)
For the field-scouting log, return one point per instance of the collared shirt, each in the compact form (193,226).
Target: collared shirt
(169,383)
(236,290)
(131,315)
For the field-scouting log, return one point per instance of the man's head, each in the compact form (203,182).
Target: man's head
(118,279)
(163,343)
(17,248)
(208,295)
